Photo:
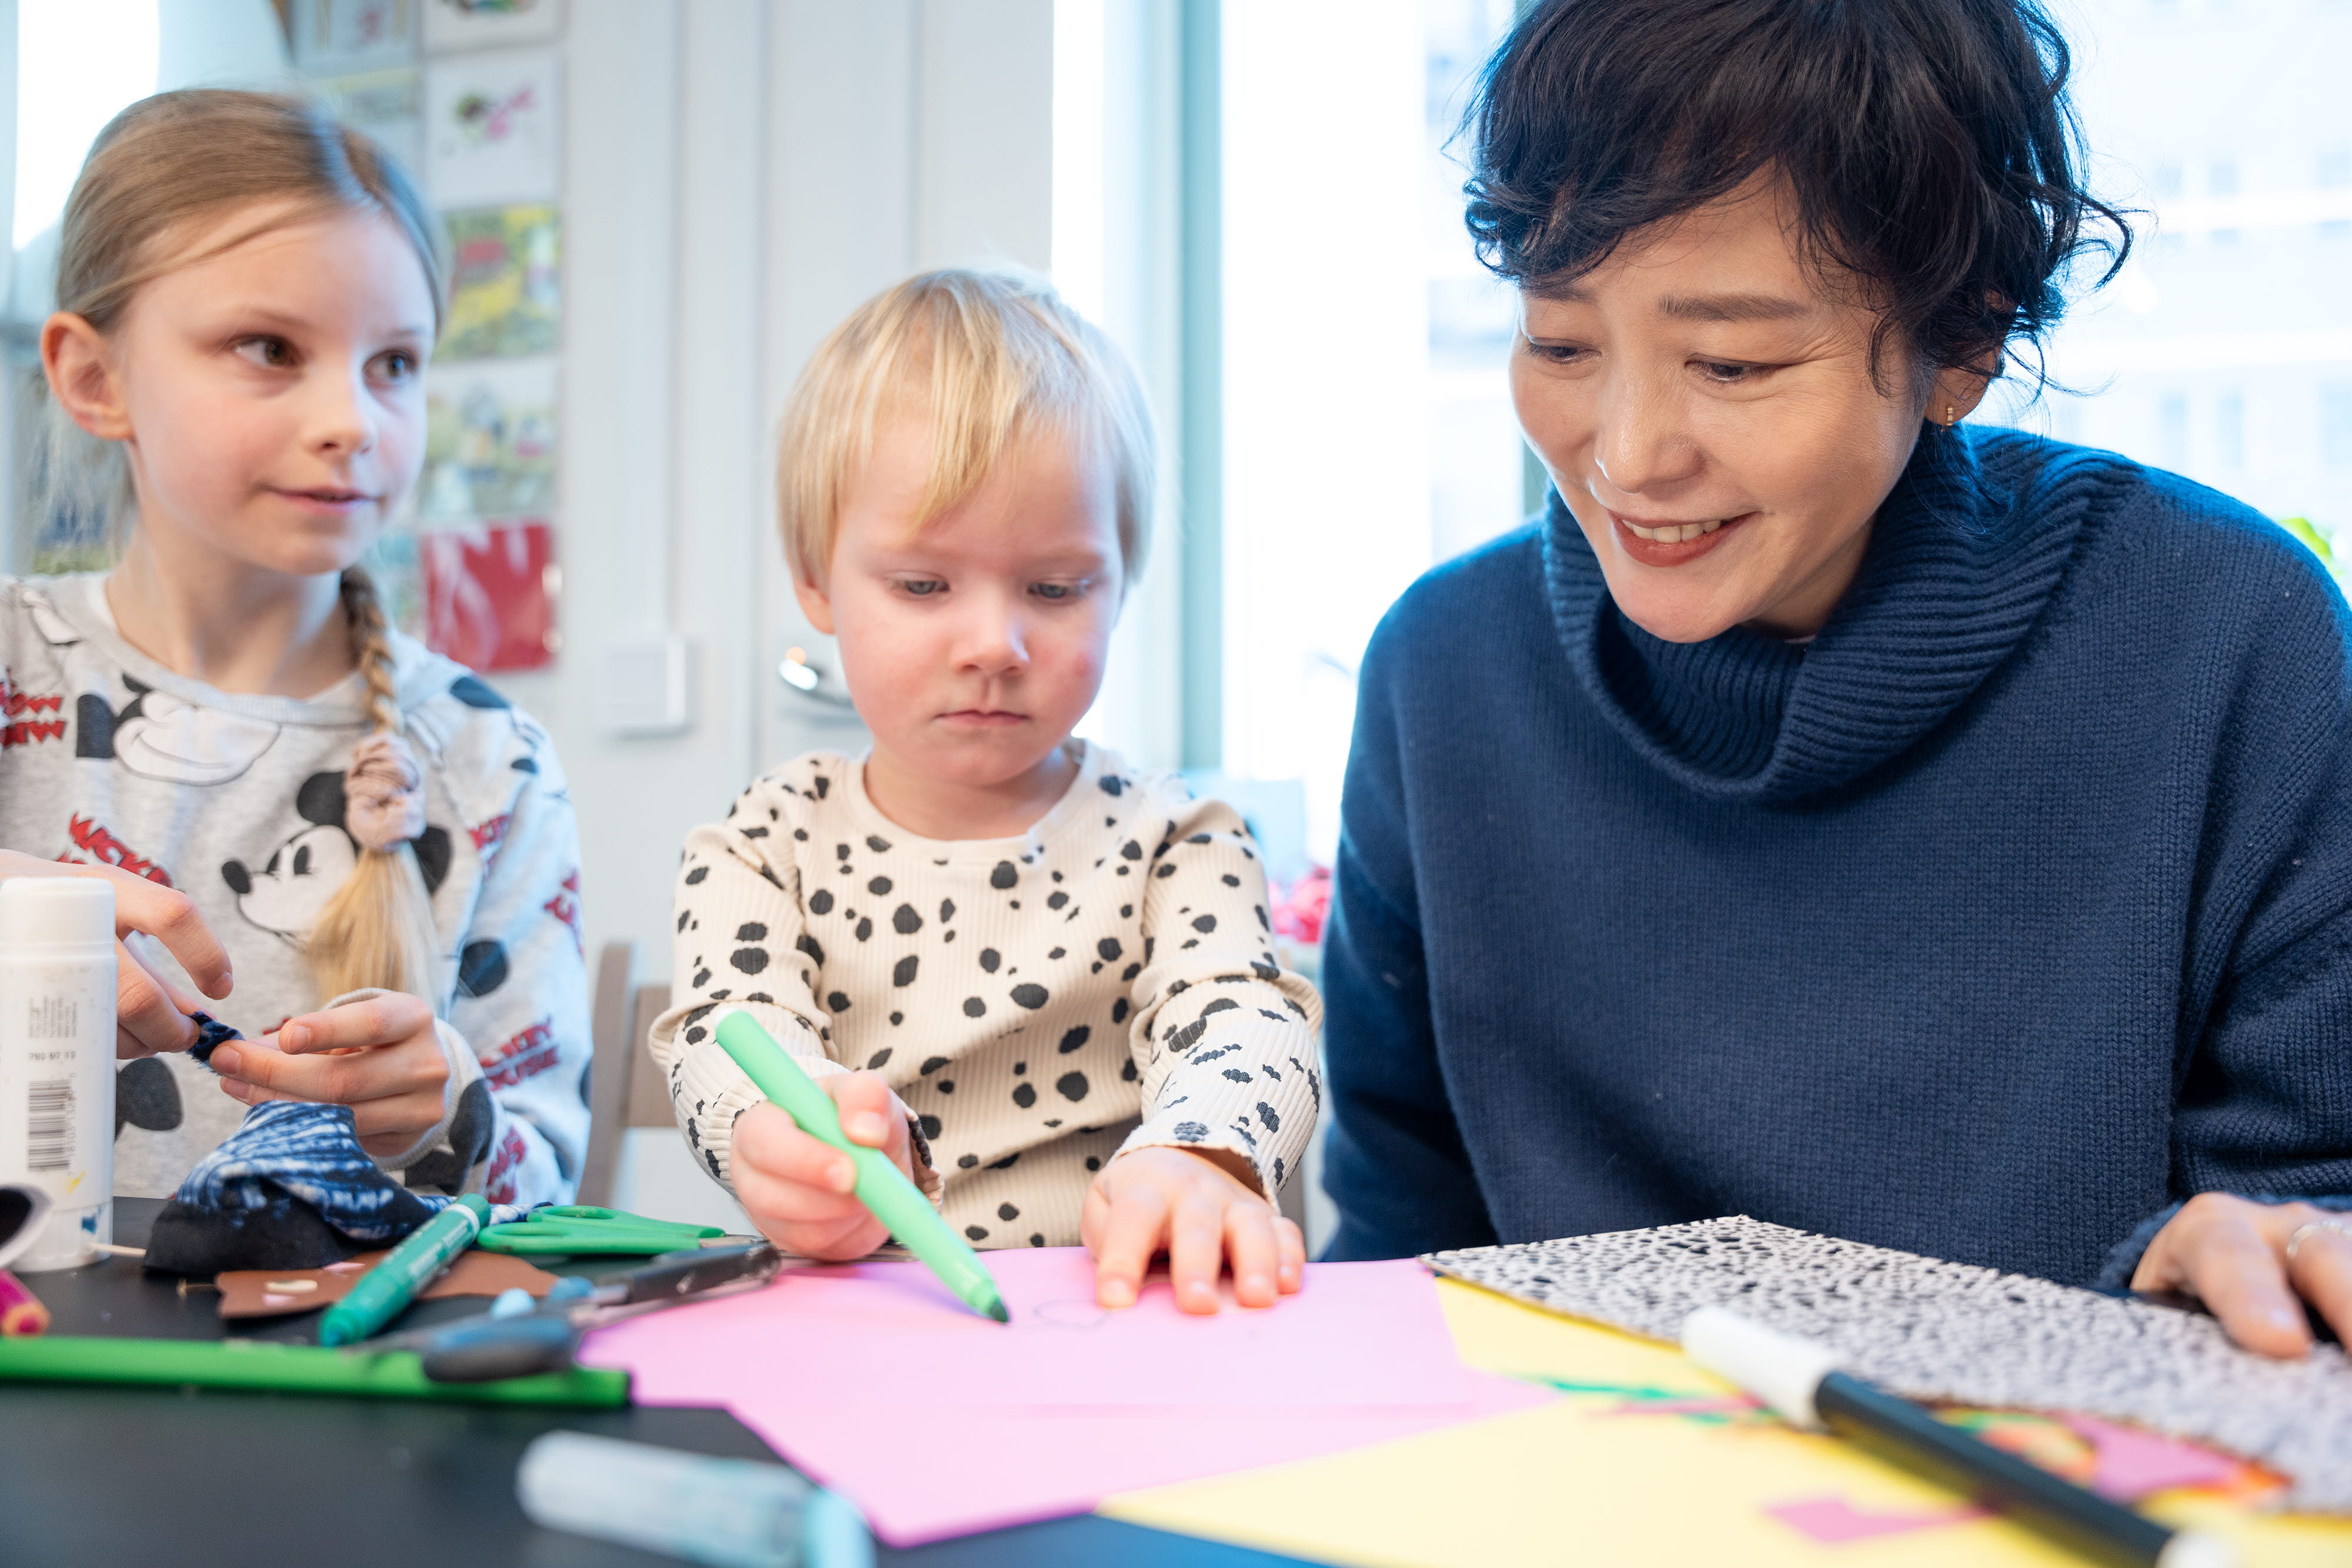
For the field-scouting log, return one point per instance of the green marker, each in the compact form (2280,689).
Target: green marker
(881,1185)
(287,1369)
(392,1284)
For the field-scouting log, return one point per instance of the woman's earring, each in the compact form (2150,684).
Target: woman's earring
(1951,414)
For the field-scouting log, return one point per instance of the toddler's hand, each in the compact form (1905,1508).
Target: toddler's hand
(800,1190)
(1188,1204)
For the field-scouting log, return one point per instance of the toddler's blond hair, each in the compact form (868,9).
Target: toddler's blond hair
(987,359)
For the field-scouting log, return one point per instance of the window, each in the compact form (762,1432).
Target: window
(2229,324)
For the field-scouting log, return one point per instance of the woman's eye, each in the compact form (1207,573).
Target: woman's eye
(270,353)
(1728,373)
(1558,353)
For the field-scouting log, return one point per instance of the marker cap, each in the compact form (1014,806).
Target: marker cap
(1781,1369)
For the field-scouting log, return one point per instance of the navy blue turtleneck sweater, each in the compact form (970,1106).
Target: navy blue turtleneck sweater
(2014,908)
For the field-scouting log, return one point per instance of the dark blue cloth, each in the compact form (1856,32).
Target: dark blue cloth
(2015,908)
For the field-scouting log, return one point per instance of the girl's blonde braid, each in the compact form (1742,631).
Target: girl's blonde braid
(378,929)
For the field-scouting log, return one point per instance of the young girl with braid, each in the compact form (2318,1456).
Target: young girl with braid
(355,849)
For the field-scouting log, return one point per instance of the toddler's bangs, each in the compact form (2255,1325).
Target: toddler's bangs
(987,359)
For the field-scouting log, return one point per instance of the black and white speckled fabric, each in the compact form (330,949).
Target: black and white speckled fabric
(1954,1331)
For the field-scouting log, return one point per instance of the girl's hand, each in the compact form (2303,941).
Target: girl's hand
(800,1190)
(1190,1205)
(382,1056)
(150,1014)
(2230,1254)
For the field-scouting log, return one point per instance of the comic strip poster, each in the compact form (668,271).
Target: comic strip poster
(490,441)
(493,123)
(490,593)
(505,284)
(487,23)
(336,37)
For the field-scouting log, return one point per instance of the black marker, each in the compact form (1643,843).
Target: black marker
(1801,1380)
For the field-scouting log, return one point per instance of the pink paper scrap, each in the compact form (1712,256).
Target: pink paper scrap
(2128,1464)
(876,1381)
(1834,1520)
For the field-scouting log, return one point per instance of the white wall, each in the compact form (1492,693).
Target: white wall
(740,174)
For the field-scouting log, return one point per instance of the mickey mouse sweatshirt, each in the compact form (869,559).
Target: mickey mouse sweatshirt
(107,758)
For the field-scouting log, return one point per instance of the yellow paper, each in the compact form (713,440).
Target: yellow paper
(1588,1480)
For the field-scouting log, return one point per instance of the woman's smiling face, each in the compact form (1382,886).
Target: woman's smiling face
(1704,404)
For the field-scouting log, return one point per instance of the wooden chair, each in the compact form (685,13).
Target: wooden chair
(625,1089)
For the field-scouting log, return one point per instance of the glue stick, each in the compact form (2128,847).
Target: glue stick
(57,1059)
(727,1513)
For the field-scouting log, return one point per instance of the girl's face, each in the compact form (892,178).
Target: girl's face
(1707,409)
(974,643)
(272,396)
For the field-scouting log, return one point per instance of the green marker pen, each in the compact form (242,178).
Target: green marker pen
(882,1187)
(392,1284)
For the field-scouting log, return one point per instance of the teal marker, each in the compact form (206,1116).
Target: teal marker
(882,1187)
(392,1284)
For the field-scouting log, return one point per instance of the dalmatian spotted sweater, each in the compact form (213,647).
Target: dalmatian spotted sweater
(109,757)
(1041,1003)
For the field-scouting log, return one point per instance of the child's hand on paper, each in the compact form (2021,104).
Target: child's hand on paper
(1188,1204)
(801,1190)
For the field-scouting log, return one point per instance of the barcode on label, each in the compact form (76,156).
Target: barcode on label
(48,1126)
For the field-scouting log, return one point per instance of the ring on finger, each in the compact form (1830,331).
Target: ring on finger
(2294,1237)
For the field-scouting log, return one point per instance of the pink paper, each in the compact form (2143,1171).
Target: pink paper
(876,1382)
(2128,1464)
(1832,1519)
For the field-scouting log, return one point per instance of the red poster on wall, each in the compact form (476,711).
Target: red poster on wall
(489,593)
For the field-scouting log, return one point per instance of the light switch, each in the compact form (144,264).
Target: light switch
(643,686)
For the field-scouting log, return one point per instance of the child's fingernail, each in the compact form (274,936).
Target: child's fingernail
(293,1037)
(1256,1285)
(224,1059)
(1117,1293)
(866,1127)
(845,1176)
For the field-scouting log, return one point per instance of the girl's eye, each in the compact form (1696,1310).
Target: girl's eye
(1055,592)
(921,587)
(397,366)
(269,353)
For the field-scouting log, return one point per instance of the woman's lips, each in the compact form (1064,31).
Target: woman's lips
(1660,548)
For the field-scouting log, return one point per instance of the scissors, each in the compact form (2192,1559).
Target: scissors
(582,1230)
(485,1347)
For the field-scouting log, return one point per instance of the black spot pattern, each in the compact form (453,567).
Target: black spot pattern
(1071,1085)
(990,958)
(906,922)
(1030,995)
(1075,1038)
(974,1006)
(694,877)
(1024,1095)
(903,973)
(1004,876)
(821,902)
(750,960)
(750,931)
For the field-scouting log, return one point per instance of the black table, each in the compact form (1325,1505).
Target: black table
(188,1479)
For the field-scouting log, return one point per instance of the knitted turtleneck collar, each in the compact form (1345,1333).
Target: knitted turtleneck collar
(1964,556)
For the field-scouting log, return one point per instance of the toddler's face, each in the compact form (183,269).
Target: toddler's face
(973,644)
(273,395)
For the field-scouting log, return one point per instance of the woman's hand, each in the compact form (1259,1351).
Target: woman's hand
(382,1056)
(2232,1254)
(1191,1205)
(150,1014)
(800,1190)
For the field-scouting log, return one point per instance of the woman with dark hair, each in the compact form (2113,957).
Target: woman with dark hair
(1928,835)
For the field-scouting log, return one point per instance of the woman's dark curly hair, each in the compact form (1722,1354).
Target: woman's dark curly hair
(1928,146)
